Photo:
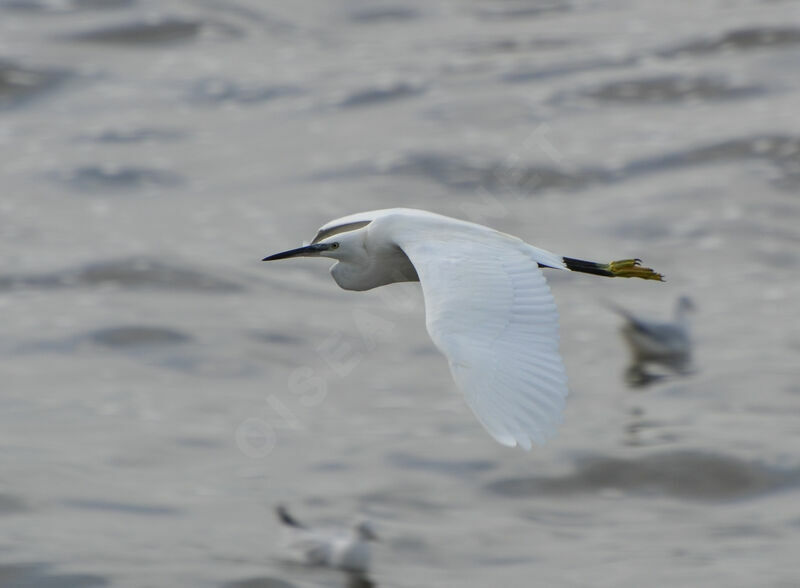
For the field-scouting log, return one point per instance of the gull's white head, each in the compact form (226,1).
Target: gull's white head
(683,308)
(684,304)
(365,530)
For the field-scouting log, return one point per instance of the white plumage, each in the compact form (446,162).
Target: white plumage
(490,311)
(346,548)
(488,307)
(653,342)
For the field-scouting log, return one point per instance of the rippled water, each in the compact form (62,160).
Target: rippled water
(161,389)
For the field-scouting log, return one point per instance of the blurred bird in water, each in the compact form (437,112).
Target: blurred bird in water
(488,307)
(345,549)
(664,343)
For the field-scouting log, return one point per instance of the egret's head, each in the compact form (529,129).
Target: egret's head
(327,248)
(342,247)
(341,242)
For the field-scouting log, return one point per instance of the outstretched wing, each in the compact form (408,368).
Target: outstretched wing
(490,311)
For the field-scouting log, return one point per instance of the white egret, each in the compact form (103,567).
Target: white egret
(346,549)
(488,307)
(664,343)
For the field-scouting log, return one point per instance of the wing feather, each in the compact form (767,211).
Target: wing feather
(490,311)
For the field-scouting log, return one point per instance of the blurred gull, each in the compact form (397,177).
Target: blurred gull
(344,548)
(667,344)
(488,306)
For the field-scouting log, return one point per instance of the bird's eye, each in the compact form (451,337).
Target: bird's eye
(334,245)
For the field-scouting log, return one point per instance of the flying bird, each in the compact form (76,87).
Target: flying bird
(346,549)
(488,307)
(664,343)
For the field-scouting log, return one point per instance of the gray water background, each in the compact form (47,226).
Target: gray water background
(161,389)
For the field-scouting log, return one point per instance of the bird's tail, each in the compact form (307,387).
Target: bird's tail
(624,313)
(622,268)
(287,519)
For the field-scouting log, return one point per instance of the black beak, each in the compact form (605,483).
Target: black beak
(299,252)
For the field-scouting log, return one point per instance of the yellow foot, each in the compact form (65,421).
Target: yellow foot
(632,268)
